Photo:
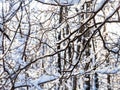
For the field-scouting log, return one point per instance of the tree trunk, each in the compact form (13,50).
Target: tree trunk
(59,38)
(108,81)
(86,7)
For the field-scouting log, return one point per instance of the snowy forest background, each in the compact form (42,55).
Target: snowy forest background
(59,44)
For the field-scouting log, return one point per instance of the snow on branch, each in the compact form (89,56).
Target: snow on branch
(108,70)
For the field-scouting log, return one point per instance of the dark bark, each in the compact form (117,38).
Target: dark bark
(108,81)
(74,83)
(96,81)
(59,38)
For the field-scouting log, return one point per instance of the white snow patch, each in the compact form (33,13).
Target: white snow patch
(109,70)
(99,4)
